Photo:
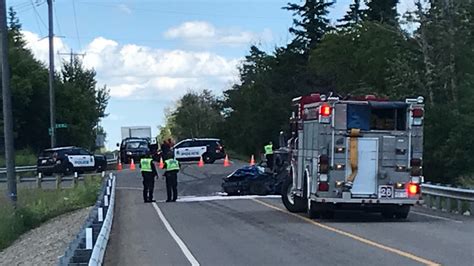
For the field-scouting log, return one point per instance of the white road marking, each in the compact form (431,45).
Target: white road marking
(213,198)
(176,238)
(436,217)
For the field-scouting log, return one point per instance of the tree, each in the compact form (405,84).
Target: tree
(312,23)
(197,115)
(80,104)
(384,11)
(353,17)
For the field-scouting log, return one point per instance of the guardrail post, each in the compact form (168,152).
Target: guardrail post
(459,206)
(89,240)
(58,181)
(18,179)
(38,180)
(471,208)
(438,203)
(449,203)
(74,179)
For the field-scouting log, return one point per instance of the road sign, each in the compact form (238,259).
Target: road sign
(57,126)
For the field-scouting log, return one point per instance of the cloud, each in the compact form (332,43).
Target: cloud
(202,33)
(40,48)
(136,72)
(124,8)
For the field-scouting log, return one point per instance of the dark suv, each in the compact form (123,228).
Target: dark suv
(67,160)
(209,149)
(134,148)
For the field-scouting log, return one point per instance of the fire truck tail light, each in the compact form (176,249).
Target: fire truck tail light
(325,110)
(413,189)
(417,112)
(323,186)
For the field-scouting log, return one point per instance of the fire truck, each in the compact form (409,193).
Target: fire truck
(354,153)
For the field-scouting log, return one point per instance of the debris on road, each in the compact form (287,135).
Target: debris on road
(252,180)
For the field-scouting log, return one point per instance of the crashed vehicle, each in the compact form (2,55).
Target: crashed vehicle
(257,180)
(355,153)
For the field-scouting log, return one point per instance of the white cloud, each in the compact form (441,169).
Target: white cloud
(40,48)
(124,8)
(136,72)
(203,33)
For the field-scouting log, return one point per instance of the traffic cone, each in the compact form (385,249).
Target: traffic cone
(201,162)
(252,160)
(119,166)
(226,161)
(162,165)
(132,165)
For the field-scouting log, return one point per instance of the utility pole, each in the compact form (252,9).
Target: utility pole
(52,107)
(71,54)
(7,106)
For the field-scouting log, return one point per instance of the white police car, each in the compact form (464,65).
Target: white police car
(67,160)
(192,149)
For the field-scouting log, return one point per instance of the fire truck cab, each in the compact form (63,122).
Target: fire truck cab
(356,153)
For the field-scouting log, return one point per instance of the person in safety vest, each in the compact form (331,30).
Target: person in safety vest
(149,173)
(269,154)
(171,167)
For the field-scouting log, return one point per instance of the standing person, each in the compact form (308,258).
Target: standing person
(165,148)
(149,173)
(170,143)
(171,167)
(269,154)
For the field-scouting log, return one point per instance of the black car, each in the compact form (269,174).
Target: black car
(134,148)
(67,160)
(210,149)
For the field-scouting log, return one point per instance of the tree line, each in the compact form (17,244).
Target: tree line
(80,103)
(368,51)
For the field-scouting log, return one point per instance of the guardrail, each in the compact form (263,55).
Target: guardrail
(447,198)
(88,247)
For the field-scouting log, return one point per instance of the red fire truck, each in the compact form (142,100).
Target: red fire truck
(354,153)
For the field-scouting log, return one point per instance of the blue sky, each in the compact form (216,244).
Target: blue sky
(149,53)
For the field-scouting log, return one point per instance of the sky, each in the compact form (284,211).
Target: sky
(150,52)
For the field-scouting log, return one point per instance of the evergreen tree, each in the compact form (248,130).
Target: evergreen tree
(382,11)
(311,23)
(353,16)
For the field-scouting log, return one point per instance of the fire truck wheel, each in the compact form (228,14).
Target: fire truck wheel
(388,213)
(292,203)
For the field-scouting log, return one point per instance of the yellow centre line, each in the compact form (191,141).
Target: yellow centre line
(355,237)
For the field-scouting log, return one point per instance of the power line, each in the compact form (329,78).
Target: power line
(75,24)
(38,16)
(57,21)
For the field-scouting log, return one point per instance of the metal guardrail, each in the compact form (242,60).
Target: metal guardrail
(447,198)
(88,247)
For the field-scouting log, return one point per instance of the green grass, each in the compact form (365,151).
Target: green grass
(22,158)
(36,206)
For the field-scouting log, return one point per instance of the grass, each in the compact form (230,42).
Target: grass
(36,206)
(22,158)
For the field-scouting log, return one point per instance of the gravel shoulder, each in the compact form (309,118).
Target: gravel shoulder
(45,244)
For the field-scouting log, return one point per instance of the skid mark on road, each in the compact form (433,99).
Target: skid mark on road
(355,237)
(176,238)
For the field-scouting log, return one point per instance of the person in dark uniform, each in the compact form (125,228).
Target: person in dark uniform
(149,173)
(171,167)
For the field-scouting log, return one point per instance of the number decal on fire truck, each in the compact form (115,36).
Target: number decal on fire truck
(385,192)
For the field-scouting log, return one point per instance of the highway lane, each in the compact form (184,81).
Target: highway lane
(261,232)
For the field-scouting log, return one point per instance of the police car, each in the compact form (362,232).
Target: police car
(67,160)
(192,149)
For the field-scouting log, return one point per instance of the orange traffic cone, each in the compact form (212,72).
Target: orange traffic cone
(132,165)
(119,166)
(201,162)
(162,165)
(252,161)
(226,161)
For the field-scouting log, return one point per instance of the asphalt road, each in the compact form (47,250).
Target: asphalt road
(203,228)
